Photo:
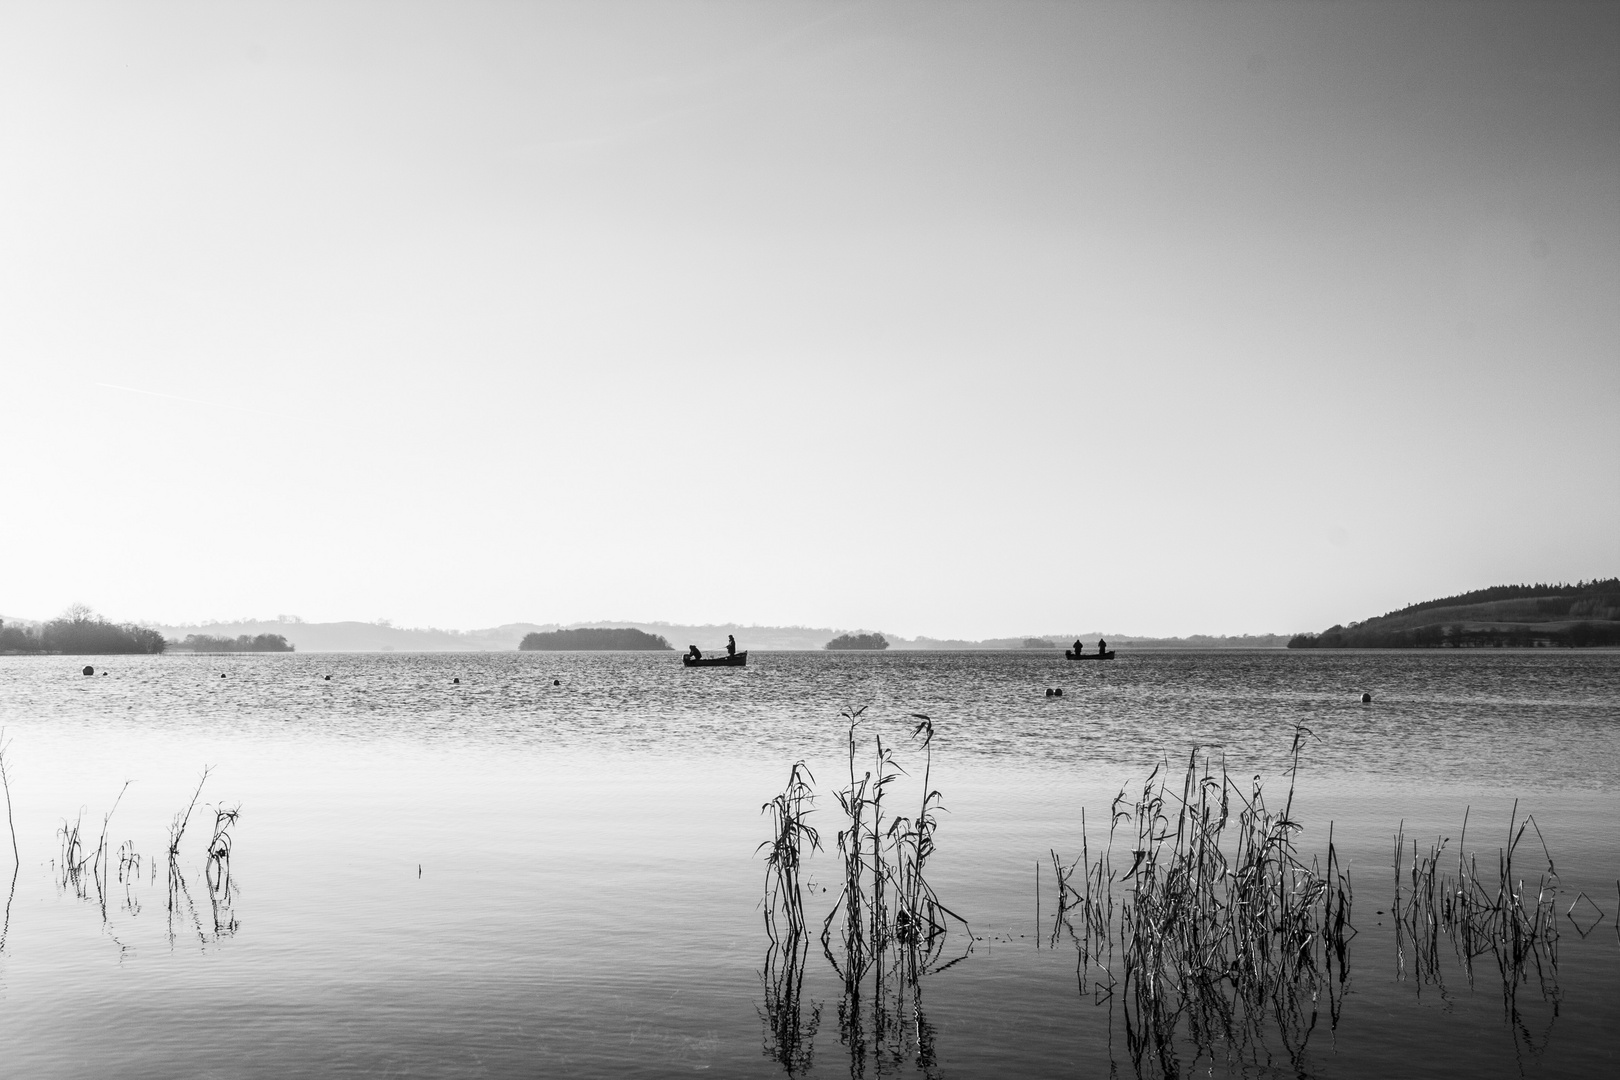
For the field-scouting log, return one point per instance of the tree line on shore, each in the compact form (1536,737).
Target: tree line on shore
(1459,636)
(81,632)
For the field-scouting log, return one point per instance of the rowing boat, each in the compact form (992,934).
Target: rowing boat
(738,660)
(1070,654)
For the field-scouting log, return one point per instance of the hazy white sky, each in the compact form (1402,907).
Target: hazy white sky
(955,319)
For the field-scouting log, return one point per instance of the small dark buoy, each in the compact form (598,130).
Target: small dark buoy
(1059,692)
(1366,699)
(103,674)
(1048,691)
(328,678)
(457,681)
(556,682)
(88,670)
(222,674)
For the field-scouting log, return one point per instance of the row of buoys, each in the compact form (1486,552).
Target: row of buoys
(1054,693)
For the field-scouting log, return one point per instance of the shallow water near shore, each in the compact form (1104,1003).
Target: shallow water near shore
(550,868)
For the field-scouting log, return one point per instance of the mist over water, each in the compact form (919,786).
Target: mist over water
(550,868)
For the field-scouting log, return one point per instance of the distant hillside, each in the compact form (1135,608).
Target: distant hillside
(1584,614)
(589,638)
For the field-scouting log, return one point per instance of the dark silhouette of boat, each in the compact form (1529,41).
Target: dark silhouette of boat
(739,660)
(1070,654)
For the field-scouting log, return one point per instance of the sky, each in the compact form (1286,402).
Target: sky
(953,319)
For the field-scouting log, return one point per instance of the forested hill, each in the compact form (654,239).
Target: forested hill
(1586,613)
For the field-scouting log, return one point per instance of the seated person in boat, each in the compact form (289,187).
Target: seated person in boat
(731,645)
(694,652)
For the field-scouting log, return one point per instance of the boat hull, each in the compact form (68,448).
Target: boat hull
(740,660)
(1069,654)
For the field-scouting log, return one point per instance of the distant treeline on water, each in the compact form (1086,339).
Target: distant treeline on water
(1506,616)
(586,638)
(241,643)
(81,632)
(857,641)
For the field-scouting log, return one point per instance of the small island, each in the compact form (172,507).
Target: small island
(586,639)
(1505,616)
(207,643)
(857,641)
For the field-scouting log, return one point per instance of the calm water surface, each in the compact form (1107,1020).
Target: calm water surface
(549,868)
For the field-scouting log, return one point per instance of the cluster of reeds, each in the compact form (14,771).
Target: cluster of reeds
(1509,918)
(81,869)
(222,889)
(886,927)
(885,899)
(1216,931)
(792,839)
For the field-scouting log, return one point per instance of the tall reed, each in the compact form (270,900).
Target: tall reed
(16,863)
(5,784)
(885,896)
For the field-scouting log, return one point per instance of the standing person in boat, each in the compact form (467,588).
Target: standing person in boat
(731,645)
(1102,647)
(1078,648)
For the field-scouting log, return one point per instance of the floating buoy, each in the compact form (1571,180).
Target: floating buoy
(457,681)
(556,682)
(222,674)
(1366,699)
(88,670)
(328,678)
(1059,692)
(1048,691)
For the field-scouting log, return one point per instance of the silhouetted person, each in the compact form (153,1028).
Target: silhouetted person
(1078,648)
(694,652)
(731,645)
(1102,646)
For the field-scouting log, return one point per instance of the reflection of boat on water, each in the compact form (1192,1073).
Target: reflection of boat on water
(1070,654)
(739,660)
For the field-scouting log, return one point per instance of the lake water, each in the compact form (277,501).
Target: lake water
(549,868)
